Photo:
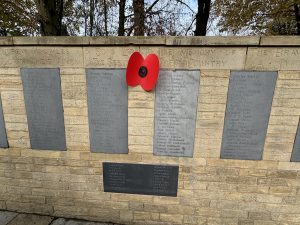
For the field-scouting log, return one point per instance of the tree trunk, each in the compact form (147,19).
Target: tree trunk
(105,18)
(92,10)
(139,17)
(85,17)
(50,17)
(202,17)
(3,32)
(60,10)
(121,29)
(297,16)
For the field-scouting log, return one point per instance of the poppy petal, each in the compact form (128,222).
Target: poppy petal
(152,64)
(134,62)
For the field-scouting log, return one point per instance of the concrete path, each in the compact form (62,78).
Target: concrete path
(13,218)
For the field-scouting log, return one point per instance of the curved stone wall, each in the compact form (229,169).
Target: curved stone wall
(252,182)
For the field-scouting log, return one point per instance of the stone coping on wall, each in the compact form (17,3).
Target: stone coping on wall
(155,40)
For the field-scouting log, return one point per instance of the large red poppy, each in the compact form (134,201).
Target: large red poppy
(142,71)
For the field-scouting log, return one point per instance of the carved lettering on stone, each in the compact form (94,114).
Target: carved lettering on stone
(176,102)
(247,115)
(44,108)
(107,110)
(161,180)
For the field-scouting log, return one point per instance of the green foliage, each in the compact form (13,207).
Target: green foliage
(262,17)
(18,17)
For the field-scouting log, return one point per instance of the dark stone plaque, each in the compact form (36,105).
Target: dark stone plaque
(140,179)
(248,110)
(108,110)
(176,102)
(296,149)
(3,137)
(43,102)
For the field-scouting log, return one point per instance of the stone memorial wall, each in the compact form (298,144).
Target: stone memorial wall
(216,141)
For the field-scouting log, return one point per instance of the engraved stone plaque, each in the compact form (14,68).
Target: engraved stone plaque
(39,56)
(270,58)
(108,110)
(176,103)
(247,115)
(190,58)
(3,137)
(143,179)
(296,149)
(43,102)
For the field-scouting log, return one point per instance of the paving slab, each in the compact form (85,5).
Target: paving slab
(6,217)
(29,219)
(14,218)
(63,221)
(59,221)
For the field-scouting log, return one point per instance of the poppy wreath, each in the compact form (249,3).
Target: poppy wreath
(142,71)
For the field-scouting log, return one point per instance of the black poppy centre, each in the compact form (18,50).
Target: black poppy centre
(143,71)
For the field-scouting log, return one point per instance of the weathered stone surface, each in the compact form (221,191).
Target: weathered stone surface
(281,58)
(159,40)
(155,40)
(63,221)
(55,40)
(59,221)
(84,41)
(6,217)
(280,41)
(38,57)
(200,41)
(107,57)
(163,40)
(199,58)
(289,166)
(26,219)
(6,41)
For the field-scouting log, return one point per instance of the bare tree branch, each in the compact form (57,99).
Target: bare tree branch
(151,6)
(190,27)
(183,3)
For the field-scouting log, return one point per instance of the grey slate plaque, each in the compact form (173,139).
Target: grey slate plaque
(108,110)
(3,137)
(43,102)
(176,102)
(248,110)
(296,149)
(144,179)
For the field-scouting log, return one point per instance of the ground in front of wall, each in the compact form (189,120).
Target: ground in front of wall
(14,218)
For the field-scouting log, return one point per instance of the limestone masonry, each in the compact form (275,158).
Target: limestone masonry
(212,190)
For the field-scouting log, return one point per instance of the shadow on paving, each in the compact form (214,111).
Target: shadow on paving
(13,218)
